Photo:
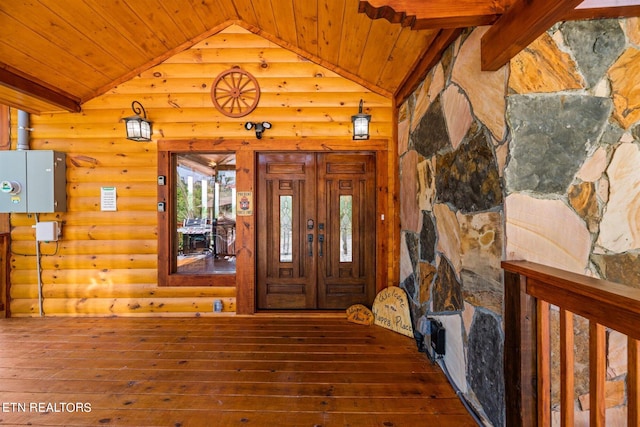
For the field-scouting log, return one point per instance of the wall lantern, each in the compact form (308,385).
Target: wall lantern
(361,124)
(138,128)
(260,127)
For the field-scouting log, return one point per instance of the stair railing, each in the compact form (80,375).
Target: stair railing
(530,290)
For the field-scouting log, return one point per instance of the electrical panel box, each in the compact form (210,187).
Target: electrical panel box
(33,181)
(13,180)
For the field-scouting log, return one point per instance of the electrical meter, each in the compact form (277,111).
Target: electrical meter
(11,187)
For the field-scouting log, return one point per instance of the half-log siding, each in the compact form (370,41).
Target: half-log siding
(106,262)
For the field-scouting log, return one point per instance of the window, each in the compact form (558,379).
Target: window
(197,231)
(205,194)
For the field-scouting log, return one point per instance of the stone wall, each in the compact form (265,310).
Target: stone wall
(539,161)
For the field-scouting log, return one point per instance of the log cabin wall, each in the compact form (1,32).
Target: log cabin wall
(106,262)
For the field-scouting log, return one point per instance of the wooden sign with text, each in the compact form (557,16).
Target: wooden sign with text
(360,314)
(391,311)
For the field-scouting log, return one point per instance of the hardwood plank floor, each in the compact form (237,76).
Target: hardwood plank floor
(226,371)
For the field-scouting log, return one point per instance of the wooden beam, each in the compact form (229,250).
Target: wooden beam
(518,27)
(599,4)
(430,58)
(29,87)
(421,15)
(469,13)
(601,12)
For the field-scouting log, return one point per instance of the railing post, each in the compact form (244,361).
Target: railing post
(519,352)
(543,365)
(597,374)
(567,367)
(633,382)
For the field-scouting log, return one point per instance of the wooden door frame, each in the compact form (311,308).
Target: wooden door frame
(315,181)
(387,213)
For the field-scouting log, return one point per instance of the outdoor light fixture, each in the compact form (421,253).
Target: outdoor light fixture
(361,124)
(260,127)
(138,128)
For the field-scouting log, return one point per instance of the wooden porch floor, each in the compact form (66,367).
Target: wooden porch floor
(222,371)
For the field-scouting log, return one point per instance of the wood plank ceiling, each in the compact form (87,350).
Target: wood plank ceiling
(56,55)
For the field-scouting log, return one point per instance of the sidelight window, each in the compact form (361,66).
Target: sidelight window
(346,228)
(286,228)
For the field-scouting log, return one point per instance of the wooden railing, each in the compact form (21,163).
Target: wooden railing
(530,289)
(4,271)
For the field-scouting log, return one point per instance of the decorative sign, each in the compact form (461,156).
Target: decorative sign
(391,311)
(108,199)
(360,314)
(244,202)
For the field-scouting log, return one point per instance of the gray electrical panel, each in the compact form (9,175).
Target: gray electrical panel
(13,177)
(33,181)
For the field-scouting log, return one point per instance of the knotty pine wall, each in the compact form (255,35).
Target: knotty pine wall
(106,262)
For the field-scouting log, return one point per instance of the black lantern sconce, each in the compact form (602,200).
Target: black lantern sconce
(260,127)
(138,128)
(360,124)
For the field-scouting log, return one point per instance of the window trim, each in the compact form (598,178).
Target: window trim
(167,239)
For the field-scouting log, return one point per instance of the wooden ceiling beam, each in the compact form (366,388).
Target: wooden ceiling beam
(599,4)
(431,57)
(602,12)
(518,27)
(435,14)
(515,23)
(31,88)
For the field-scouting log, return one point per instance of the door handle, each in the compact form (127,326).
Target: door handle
(310,241)
(321,241)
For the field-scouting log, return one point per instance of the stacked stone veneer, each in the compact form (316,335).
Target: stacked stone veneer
(539,161)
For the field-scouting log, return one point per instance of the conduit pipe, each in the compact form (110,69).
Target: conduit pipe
(24,143)
(23,131)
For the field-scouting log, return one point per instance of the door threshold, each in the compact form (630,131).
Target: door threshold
(302,313)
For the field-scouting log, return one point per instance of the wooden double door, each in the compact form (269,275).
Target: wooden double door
(316,230)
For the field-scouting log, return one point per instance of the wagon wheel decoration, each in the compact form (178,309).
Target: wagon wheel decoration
(235,92)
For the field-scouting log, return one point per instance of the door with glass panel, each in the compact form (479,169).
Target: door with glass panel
(315,230)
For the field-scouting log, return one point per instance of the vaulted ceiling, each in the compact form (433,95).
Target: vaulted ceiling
(56,55)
